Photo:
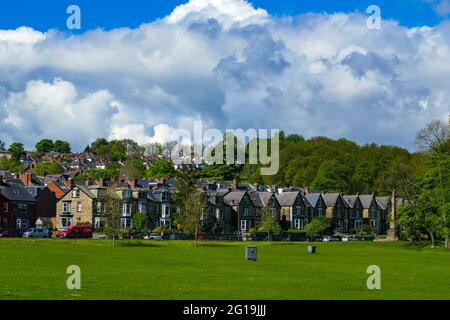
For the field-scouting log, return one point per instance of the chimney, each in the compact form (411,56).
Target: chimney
(69,183)
(101,182)
(27,179)
(306,189)
(132,183)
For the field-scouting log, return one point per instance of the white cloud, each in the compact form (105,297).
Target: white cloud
(231,65)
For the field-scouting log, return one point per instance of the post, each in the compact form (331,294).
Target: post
(392,232)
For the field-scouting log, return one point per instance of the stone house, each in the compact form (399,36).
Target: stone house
(295,212)
(81,205)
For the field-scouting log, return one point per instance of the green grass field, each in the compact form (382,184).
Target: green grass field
(36,269)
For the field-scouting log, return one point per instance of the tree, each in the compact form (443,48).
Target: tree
(17,150)
(44,146)
(11,165)
(132,149)
(332,176)
(435,138)
(153,149)
(318,227)
(160,169)
(61,146)
(269,224)
(185,188)
(100,142)
(112,215)
(193,206)
(2,146)
(140,222)
(133,169)
(46,168)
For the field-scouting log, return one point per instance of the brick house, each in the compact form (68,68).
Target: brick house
(17,209)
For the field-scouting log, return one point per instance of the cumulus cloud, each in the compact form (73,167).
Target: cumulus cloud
(230,65)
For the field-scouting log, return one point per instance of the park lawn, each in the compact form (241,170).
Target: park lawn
(36,269)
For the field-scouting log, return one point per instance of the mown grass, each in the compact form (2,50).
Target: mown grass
(36,269)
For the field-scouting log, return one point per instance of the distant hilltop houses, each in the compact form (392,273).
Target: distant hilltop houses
(58,201)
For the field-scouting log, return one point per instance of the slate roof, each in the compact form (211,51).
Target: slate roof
(330,199)
(287,199)
(366,200)
(313,198)
(382,202)
(15,192)
(234,197)
(256,198)
(265,197)
(351,200)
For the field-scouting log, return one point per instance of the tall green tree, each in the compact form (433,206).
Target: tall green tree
(160,169)
(62,146)
(44,146)
(17,150)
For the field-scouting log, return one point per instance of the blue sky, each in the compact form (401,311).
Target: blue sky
(48,14)
(228,63)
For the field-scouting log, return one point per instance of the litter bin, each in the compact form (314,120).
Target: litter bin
(311,249)
(250,253)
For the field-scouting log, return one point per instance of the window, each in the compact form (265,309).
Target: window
(125,223)
(126,209)
(76,193)
(5,223)
(165,211)
(339,224)
(5,207)
(219,215)
(66,206)
(97,222)
(245,211)
(22,207)
(243,225)
(22,224)
(66,222)
(296,223)
(320,211)
(373,211)
(126,193)
(273,211)
(373,223)
(358,224)
(78,206)
(142,208)
(99,207)
(298,210)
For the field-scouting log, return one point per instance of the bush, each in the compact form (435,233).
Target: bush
(296,231)
(157,230)
(318,227)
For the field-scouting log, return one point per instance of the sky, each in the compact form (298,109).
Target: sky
(140,69)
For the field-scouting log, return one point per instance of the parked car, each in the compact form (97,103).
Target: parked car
(331,239)
(37,233)
(75,232)
(153,236)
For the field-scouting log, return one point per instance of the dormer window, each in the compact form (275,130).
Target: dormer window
(126,193)
(76,193)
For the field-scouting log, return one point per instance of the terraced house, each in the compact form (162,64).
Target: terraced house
(17,209)
(295,210)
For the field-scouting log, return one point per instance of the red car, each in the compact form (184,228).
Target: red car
(75,232)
